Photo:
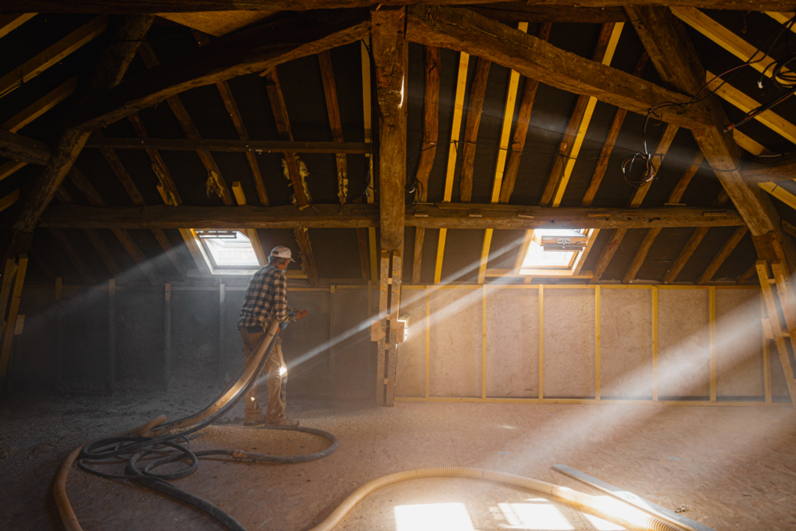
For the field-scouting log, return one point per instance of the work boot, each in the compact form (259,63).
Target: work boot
(285,423)
(257,419)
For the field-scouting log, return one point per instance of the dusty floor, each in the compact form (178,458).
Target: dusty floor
(732,468)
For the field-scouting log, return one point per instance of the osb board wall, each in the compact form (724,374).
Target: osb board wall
(352,352)
(512,343)
(456,324)
(625,343)
(739,344)
(568,349)
(684,343)
(626,347)
(410,378)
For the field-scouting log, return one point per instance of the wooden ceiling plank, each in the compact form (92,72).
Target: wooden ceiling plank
(23,149)
(652,234)
(474,108)
(245,52)
(74,256)
(428,153)
(52,55)
(456,129)
(362,216)
(463,30)
(9,23)
(570,145)
(610,142)
(722,255)
(521,129)
(40,106)
(678,65)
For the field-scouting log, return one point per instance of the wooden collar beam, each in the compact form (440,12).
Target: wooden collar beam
(443,215)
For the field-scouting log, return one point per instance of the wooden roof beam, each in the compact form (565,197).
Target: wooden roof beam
(111,67)
(189,128)
(23,149)
(9,23)
(433,64)
(390,56)
(300,189)
(52,55)
(474,108)
(464,30)
(243,145)
(190,6)
(722,255)
(610,141)
(652,234)
(676,60)
(579,120)
(442,215)
(521,128)
(245,52)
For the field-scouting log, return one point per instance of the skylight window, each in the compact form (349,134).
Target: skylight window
(553,249)
(226,250)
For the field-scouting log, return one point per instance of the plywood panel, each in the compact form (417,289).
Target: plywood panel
(739,356)
(456,342)
(512,346)
(684,343)
(626,343)
(411,372)
(569,343)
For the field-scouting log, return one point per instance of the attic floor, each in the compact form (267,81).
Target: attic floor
(731,468)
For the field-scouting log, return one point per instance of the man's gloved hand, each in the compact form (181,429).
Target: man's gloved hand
(301,314)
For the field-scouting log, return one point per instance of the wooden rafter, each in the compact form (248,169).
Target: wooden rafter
(676,60)
(610,142)
(300,189)
(23,149)
(474,109)
(245,52)
(503,146)
(442,215)
(458,108)
(521,128)
(95,199)
(433,64)
(464,30)
(9,23)
(722,255)
(189,128)
(112,65)
(237,120)
(607,254)
(652,234)
(578,122)
(40,106)
(660,152)
(52,55)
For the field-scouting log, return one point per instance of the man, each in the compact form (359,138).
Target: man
(266,301)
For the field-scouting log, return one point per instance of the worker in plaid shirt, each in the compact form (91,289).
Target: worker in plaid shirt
(265,301)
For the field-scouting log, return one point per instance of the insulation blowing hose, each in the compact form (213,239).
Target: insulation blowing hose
(607,506)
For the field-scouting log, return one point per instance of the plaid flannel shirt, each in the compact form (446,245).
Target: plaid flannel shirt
(266,299)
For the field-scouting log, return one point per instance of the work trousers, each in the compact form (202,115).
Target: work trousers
(277,385)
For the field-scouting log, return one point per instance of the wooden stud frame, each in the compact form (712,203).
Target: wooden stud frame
(710,400)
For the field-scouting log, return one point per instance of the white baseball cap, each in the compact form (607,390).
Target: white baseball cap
(281,251)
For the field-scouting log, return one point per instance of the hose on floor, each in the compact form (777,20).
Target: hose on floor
(158,439)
